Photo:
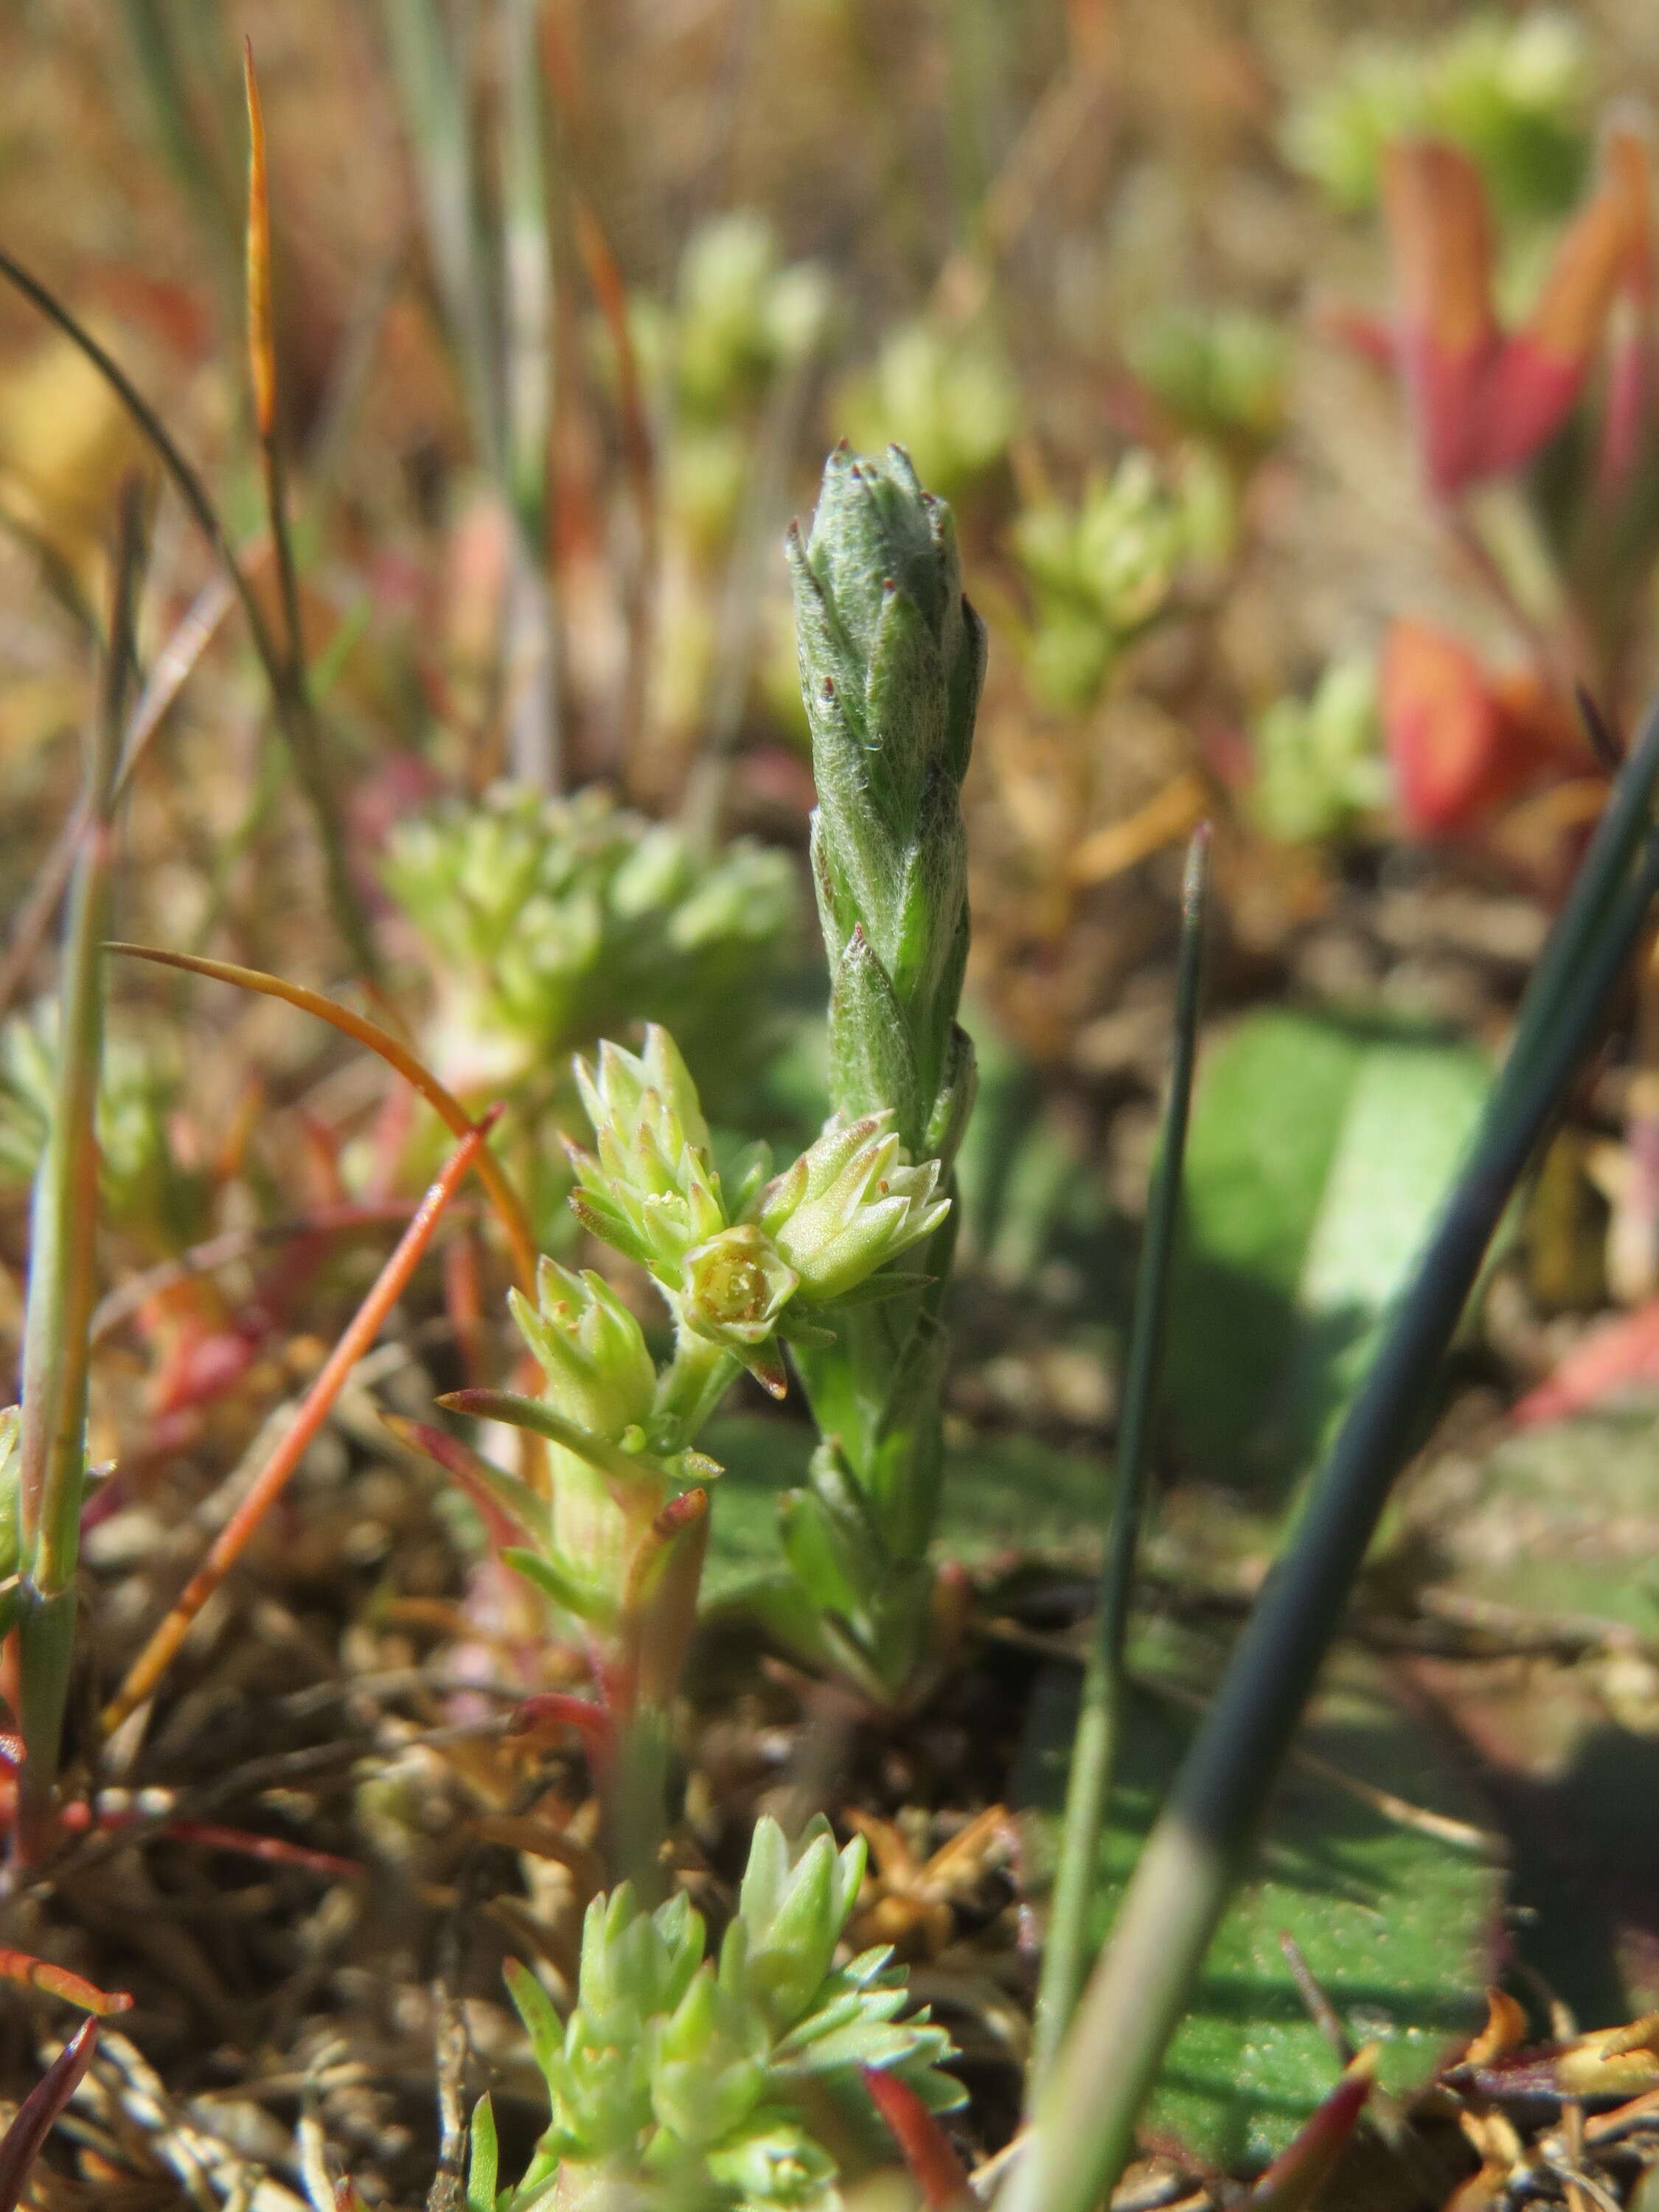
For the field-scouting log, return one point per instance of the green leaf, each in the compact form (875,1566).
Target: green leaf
(1004,1496)
(1398,1927)
(1558,1527)
(1320,1150)
(575,1593)
(483,2158)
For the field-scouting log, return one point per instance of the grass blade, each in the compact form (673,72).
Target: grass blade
(52,1438)
(1194,1856)
(306,753)
(449,1110)
(532,645)
(168,677)
(1088,1781)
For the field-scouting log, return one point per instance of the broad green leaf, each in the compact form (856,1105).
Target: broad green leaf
(1398,1926)
(1558,1520)
(1320,1150)
(1004,1498)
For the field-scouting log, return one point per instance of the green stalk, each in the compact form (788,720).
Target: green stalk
(1192,1860)
(892,659)
(51,1442)
(432,90)
(527,402)
(1094,1747)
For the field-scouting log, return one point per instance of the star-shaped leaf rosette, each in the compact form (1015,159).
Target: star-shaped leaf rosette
(744,1272)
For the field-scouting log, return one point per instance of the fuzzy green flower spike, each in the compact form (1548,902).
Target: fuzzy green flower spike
(892,660)
(680,2081)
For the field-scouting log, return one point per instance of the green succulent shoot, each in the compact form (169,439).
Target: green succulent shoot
(740,1270)
(549,922)
(1319,767)
(743,1263)
(892,657)
(144,1191)
(682,2080)
(1512,91)
(949,401)
(1100,574)
(742,321)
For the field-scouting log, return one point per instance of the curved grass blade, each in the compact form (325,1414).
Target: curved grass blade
(515,1223)
(267,1485)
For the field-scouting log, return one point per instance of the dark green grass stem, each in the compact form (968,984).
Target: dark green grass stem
(57,1328)
(1137,1995)
(294,717)
(1094,1746)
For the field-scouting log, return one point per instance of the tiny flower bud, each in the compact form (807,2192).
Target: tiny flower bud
(736,1284)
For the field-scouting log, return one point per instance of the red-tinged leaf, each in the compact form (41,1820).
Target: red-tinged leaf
(1459,743)
(1607,1357)
(1540,372)
(202,1364)
(1296,2177)
(934,2166)
(36,2116)
(1446,330)
(510,1510)
(21,1966)
(556,1708)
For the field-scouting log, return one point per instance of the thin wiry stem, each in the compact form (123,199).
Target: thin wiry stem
(168,677)
(1194,1857)
(509,1207)
(301,738)
(52,1438)
(365,1326)
(1094,1747)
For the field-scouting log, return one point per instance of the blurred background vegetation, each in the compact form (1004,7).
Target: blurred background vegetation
(1303,479)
